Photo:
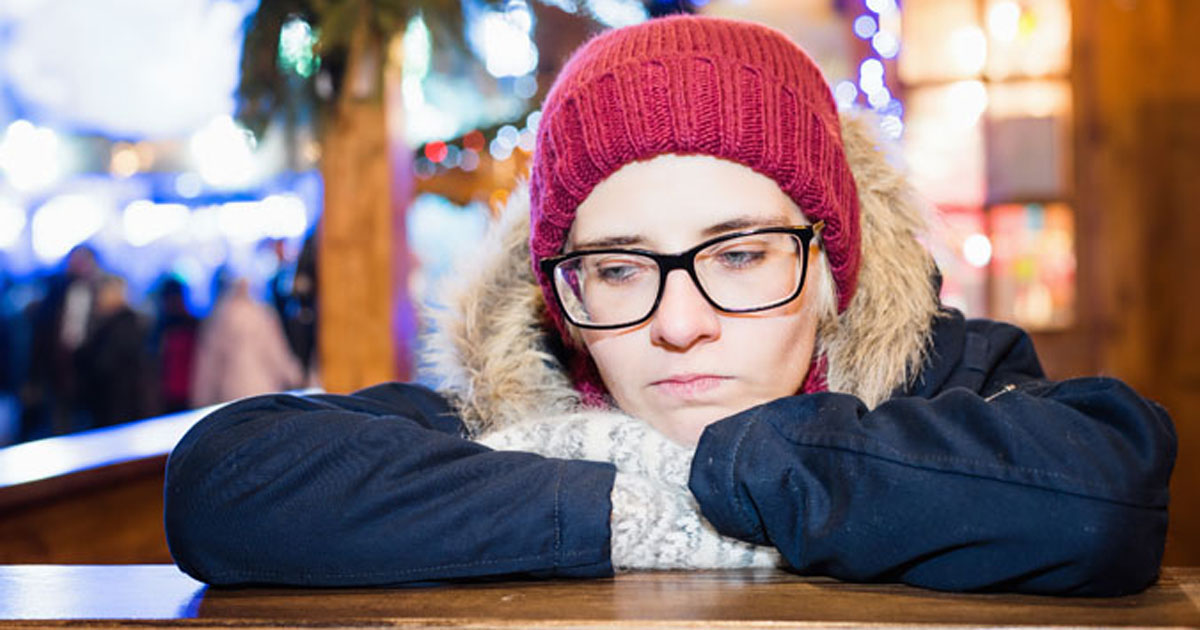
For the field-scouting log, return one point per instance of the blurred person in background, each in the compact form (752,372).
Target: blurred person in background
(242,350)
(14,358)
(279,285)
(60,322)
(173,345)
(293,292)
(303,326)
(112,366)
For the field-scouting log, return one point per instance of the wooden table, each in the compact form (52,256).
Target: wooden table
(144,596)
(93,497)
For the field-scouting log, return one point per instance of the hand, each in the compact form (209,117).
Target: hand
(631,445)
(657,526)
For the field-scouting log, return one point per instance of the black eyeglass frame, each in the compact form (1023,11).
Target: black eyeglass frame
(686,260)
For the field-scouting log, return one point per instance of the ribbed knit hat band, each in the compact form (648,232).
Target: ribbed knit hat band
(693,85)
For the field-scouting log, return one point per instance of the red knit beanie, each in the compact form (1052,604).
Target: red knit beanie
(691,85)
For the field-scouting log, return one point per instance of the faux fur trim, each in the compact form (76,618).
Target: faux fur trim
(880,341)
(486,347)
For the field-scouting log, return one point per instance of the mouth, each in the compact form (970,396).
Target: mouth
(689,386)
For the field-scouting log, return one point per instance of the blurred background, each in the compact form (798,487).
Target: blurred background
(205,199)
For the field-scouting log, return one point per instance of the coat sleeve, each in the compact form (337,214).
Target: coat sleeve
(1011,483)
(374,488)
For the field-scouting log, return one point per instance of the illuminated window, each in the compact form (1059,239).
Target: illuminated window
(1027,38)
(1033,264)
(943,41)
(943,141)
(988,139)
(1028,140)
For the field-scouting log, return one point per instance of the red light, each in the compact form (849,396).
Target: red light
(436,151)
(474,140)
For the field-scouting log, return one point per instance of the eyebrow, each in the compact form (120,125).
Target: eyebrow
(739,224)
(736,224)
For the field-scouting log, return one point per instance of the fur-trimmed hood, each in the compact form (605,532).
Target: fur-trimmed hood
(488,350)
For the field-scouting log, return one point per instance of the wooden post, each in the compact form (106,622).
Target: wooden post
(358,236)
(1138,166)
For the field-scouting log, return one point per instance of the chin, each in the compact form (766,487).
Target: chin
(685,425)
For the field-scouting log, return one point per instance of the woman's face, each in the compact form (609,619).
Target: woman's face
(690,365)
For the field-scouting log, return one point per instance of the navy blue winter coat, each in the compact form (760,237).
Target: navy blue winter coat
(981,476)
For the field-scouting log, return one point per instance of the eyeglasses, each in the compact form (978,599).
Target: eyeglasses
(742,272)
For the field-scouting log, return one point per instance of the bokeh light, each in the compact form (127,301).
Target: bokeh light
(1003,20)
(145,221)
(277,216)
(865,26)
(508,50)
(844,93)
(968,50)
(64,222)
(618,13)
(223,153)
(977,250)
(31,157)
(886,44)
(296,40)
(882,7)
(12,223)
(124,160)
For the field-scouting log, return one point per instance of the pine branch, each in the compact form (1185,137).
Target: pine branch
(265,87)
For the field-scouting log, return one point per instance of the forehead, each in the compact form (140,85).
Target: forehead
(672,200)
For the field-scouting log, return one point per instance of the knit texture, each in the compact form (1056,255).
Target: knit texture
(691,85)
(656,522)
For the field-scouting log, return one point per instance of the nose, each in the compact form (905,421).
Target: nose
(684,318)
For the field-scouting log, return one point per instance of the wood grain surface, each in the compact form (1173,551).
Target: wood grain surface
(92,497)
(159,595)
(1137,148)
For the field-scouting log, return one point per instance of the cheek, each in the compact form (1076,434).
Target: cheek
(800,357)
(780,350)
(616,355)
(784,345)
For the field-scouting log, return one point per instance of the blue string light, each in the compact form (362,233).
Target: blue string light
(879,25)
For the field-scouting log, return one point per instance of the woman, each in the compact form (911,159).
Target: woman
(241,350)
(716,341)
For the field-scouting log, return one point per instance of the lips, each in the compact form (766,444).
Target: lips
(689,385)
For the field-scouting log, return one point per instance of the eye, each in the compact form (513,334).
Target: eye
(736,259)
(617,269)
(740,254)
